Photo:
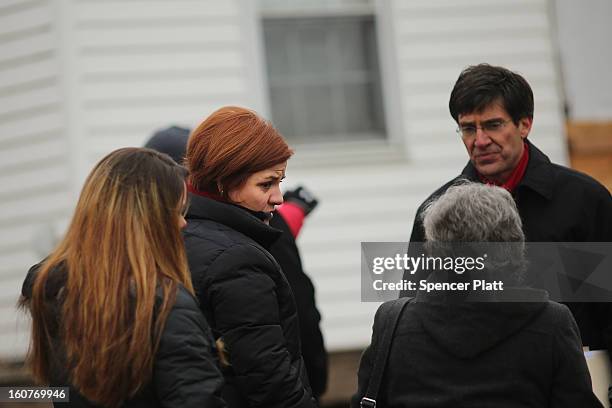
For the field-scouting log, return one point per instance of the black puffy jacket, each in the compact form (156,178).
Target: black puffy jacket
(185,371)
(248,302)
(285,251)
(503,354)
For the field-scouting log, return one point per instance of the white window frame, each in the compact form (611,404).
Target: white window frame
(390,149)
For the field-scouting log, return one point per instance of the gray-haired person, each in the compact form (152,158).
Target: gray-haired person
(487,350)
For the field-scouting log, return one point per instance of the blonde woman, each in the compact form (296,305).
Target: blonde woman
(113,311)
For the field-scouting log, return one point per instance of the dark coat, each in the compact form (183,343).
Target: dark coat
(557,204)
(185,372)
(480,354)
(286,253)
(248,302)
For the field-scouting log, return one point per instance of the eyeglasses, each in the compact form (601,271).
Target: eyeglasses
(491,128)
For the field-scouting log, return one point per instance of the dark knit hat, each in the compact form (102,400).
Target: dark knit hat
(172,141)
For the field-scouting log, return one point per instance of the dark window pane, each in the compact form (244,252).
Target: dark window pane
(281,104)
(277,56)
(359,115)
(313,46)
(351,56)
(318,111)
(324,78)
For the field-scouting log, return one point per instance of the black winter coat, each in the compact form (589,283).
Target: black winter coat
(248,302)
(557,204)
(481,354)
(185,372)
(286,253)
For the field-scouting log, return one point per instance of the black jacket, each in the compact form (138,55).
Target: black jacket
(481,354)
(286,253)
(248,302)
(557,204)
(185,372)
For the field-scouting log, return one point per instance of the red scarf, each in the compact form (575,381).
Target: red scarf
(206,194)
(516,176)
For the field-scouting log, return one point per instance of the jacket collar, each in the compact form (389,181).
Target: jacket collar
(539,175)
(234,217)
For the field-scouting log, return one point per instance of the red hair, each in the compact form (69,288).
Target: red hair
(230,145)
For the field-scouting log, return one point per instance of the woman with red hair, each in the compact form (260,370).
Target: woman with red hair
(236,161)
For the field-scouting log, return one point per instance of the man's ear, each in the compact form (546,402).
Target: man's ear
(525,126)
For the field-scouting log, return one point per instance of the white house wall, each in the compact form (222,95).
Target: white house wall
(584,32)
(130,67)
(34,175)
(144,65)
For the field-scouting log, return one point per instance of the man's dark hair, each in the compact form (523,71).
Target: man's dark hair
(479,86)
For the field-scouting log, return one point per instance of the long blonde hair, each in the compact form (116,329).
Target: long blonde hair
(122,251)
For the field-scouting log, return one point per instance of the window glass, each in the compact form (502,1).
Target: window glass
(324,78)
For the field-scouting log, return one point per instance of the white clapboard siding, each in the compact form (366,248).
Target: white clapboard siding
(155,64)
(24,129)
(30,45)
(14,338)
(12,105)
(47,148)
(34,153)
(584,34)
(147,12)
(14,328)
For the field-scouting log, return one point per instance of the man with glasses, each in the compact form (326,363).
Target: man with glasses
(493,108)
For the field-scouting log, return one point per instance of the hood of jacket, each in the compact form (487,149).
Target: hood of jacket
(486,322)
(232,216)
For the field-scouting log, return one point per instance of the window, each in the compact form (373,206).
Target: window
(323,75)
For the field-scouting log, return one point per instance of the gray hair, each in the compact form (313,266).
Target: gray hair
(471,212)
